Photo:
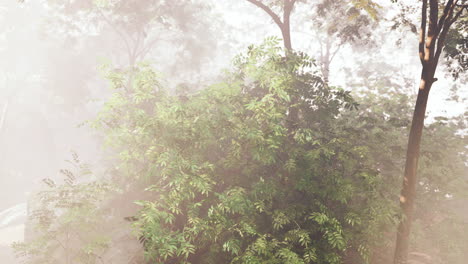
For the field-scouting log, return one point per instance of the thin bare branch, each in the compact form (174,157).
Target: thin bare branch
(448,8)
(335,52)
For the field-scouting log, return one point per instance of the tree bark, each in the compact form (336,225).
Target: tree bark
(286,28)
(408,193)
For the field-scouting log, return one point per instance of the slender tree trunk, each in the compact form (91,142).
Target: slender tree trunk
(408,193)
(285,27)
(327,53)
(326,62)
(286,37)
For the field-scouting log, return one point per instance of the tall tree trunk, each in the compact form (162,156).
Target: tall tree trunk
(285,27)
(408,192)
(285,31)
(328,50)
(430,48)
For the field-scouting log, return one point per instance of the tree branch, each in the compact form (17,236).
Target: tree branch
(270,12)
(132,56)
(321,48)
(443,34)
(457,15)
(432,30)
(146,48)
(448,8)
(335,52)
(422,34)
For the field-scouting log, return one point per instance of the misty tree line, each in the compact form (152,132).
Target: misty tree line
(270,161)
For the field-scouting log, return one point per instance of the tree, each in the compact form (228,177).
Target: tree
(170,34)
(138,27)
(433,33)
(337,23)
(231,181)
(284,23)
(385,115)
(66,222)
(334,22)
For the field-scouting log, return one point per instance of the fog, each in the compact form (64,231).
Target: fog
(53,85)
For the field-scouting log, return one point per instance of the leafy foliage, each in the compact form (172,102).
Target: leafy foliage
(251,170)
(456,48)
(65,220)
